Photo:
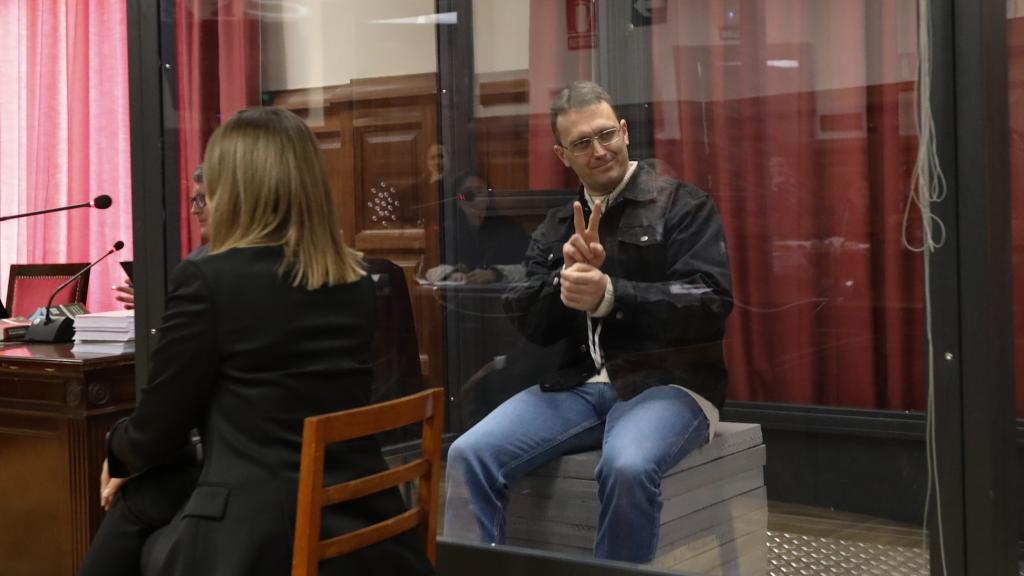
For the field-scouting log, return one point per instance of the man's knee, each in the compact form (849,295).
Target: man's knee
(626,468)
(466,450)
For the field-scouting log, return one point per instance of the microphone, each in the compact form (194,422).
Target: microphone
(101,202)
(61,329)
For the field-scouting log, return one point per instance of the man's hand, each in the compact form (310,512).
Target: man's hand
(126,294)
(482,276)
(109,486)
(583,287)
(585,245)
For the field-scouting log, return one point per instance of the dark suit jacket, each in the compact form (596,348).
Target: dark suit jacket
(668,264)
(245,357)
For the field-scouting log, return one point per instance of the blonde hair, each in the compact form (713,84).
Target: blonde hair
(267,185)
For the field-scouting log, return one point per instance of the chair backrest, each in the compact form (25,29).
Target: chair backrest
(396,354)
(29,286)
(395,349)
(319,431)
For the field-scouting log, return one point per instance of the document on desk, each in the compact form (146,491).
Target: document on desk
(425,282)
(105,332)
(13,329)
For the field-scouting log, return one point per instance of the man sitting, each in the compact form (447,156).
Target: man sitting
(638,296)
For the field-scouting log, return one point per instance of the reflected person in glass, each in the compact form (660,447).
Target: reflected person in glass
(633,280)
(488,247)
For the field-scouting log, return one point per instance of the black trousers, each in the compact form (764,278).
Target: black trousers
(144,504)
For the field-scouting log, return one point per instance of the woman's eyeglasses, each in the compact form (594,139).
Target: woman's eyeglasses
(586,145)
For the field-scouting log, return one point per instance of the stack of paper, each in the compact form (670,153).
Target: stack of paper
(105,332)
(714,507)
(13,328)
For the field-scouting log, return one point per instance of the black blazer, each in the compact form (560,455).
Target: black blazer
(245,357)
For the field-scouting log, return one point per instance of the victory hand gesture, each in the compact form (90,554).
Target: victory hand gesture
(585,245)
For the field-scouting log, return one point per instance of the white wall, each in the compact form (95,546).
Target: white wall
(313,43)
(501,35)
(1014,8)
(310,43)
(827,27)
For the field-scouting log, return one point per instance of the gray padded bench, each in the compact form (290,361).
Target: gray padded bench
(713,519)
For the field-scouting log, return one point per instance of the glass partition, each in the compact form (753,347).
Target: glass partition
(789,256)
(1015,63)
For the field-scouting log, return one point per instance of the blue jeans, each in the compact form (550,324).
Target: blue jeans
(642,439)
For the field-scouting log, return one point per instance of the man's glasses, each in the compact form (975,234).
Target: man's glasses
(586,145)
(197,201)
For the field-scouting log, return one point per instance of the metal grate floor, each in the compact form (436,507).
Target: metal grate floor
(800,555)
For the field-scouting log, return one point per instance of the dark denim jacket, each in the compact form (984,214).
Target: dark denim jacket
(667,260)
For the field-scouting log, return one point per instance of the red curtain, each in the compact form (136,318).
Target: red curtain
(552,66)
(218,74)
(810,170)
(806,146)
(64,136)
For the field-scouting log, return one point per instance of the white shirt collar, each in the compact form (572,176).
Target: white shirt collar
(609,199)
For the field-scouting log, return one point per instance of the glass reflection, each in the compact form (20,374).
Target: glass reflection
(632,278)
(796,117)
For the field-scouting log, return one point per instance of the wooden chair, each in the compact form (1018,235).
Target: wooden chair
(319,431)
(396,354)
(29,286)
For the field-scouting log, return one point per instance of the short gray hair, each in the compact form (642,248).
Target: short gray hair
(579,94)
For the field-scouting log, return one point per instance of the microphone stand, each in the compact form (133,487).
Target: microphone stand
(101,202)
(62,328)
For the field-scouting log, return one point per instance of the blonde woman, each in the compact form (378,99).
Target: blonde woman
(274,325)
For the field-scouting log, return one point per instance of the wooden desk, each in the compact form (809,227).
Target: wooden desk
(55,410)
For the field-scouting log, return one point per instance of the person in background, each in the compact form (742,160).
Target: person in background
(489,248)
(435,164)
(247,375)
(637,295)
(197,207)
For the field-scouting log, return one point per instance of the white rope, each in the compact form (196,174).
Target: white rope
(927,185)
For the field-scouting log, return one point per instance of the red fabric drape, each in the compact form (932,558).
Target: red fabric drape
(810,171)
(807,149)
(552,66)
(218,75)
(64,136)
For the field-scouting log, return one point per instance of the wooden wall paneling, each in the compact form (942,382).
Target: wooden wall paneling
(388,190)
(503,136)
(345,171)
(391,138)
(385,88)
(504,145)
(512,91)
(334,135)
